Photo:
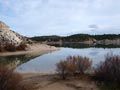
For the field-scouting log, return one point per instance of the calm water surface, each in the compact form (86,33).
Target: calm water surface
(46,63)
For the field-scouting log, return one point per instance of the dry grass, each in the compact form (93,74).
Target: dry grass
(10,80)
(107,73)
(109,70)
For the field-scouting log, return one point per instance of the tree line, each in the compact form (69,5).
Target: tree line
(76,37)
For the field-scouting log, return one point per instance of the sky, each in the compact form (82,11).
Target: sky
(61,17)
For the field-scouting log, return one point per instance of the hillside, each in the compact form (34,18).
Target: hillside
(10,40)
(82,38)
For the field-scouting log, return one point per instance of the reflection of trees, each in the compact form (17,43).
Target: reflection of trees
(15,60)
(78,45)
(72,45)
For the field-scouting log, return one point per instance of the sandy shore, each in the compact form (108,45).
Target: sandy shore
(52,82)
(34,49)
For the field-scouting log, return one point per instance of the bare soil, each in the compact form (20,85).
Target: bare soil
(52,82)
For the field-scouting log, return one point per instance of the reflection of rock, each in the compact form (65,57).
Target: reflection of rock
(14,61)
(108,42)
(14,64)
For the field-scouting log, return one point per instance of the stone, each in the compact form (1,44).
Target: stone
(9,37)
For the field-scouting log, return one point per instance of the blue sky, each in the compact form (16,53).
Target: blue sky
(61,17)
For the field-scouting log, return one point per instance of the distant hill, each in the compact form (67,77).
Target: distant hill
(82,38)
(48,38)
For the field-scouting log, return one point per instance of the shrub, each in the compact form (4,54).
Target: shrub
(10,47)
(109,70)
(72,65)
(78,64)
(83,64)
(10,80)
(62,69)
(1,49)
(22,46)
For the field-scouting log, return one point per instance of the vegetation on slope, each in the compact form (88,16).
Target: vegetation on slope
(77,37)
(12,48)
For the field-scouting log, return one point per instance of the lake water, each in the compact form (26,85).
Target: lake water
(47,62)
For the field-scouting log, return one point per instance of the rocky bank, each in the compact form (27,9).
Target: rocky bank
(10,42)
(10,39)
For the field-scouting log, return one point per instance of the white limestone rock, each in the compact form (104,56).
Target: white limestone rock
(9,37)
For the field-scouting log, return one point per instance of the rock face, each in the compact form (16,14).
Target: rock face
(3,27)
(9,37)
(109,42)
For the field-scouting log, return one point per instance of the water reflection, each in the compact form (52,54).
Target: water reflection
(46,63)
(77,45)
(15,60)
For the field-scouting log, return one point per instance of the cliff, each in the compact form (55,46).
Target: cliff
(10,40)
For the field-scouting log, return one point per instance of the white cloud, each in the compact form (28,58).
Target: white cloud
(44,17)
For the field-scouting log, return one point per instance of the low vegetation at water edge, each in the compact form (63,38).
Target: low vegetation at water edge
(73,65)
(108,72)
(10,80)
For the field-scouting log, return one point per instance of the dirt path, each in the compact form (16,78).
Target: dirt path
(51,82)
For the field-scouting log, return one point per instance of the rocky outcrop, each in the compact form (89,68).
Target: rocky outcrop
(10,39)
(109,42)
